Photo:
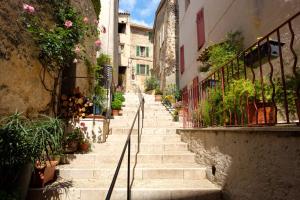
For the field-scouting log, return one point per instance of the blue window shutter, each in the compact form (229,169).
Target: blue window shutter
(147,51)
(137,69)
(147,70)
(137,51)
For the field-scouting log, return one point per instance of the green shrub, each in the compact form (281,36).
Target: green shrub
(116,104)
(119,96)
(158,92)
(151,84)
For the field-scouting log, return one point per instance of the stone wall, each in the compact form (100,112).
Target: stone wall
(165,55)
(250,163)
(20,70)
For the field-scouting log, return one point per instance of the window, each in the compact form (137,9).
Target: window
(187,3)
(182,59)
(142,51)
(150,35)
(122,28)
(142,70)
(200,29)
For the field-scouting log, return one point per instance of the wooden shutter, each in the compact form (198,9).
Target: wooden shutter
(137,69)
(185,96)
(147,51)
(147,70)
(200,28)
(137,51)
(182,62)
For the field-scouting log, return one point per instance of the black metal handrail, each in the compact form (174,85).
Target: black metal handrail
(128,147)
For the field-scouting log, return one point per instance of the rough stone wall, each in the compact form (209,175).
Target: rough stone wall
(20,70)
(165,57)
(251,164)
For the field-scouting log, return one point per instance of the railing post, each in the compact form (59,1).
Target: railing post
(128,171)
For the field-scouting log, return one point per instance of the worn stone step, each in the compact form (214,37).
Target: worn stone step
(142,189)
(169,157)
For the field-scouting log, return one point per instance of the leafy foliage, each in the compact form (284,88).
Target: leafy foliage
(97,7)
(119,96)
(151,84)
(218,55)
(116,104)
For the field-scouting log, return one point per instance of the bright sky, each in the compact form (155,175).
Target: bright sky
(142,11)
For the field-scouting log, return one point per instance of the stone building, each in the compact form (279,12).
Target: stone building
(204,23)
(165,58)
(108,26)
(24,85)
(135,53)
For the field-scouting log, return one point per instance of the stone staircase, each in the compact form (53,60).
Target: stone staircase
(165,168)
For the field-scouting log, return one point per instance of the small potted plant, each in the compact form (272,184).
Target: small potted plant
(71,141)
(85,145)
(158,95)
(116,106)
(175,116)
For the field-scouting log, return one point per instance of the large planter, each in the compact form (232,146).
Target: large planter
(43,173)
(115,112)
(259,116)
(158,98)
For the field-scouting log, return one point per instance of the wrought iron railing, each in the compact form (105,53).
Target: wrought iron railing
(259,87)
(139,118)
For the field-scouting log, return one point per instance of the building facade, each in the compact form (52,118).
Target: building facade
(135,53)
(108,26)
(204,23)
(165,58)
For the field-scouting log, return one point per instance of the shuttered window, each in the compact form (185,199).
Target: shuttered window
(200,28)
(182,62)
(142,70)
(147,51)
(137,51)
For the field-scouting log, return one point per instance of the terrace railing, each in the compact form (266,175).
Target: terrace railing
(259,87)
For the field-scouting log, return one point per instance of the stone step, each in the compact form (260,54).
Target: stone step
(167,158)
(185,171)
(142,189)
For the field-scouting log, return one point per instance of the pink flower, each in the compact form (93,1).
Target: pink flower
(28,8)
(75,61)
(77,49)
(82,124)
(98,43)
(68,23)
(96,21)
(85,20)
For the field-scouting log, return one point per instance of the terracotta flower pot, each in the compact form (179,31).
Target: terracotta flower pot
(158,98)
(43,173)
(270,114)
(84,147)
(116,112)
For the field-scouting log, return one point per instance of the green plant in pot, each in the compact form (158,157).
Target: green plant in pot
(16,155)
(175,116)
(116,106)
(71,140)
(47,138)
(158,95)
(235,101)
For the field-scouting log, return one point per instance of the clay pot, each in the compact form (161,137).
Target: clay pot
(43,173)
(84,147)
(116,112)
(158,98)
(270,114)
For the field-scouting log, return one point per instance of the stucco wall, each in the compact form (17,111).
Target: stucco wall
(251,163)
(254,18)
(20,82)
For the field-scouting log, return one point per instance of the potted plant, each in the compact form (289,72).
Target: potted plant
(47,139)
(158,95)
(175,116)
(116,106)
(71,141)
(16,155)
(85,145)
